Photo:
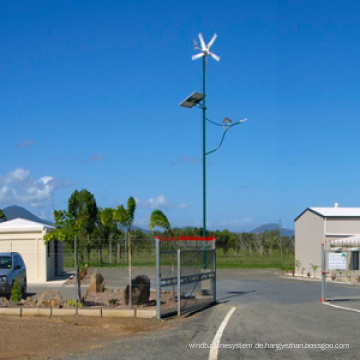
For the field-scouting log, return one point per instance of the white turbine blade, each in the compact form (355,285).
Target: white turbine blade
(212,41)
(197,56)
(202,42)
(214,56)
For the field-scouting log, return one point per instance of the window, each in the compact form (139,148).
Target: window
(19,260)
(16,261)
(5,262)
(355,260)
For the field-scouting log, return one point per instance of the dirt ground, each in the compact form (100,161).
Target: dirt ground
(51,338)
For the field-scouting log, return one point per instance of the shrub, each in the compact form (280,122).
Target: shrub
(113,301)
(72,303)
(314,268)
(16,292)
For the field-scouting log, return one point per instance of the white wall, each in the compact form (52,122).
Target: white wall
(309,235)
(343,226)
(32,248)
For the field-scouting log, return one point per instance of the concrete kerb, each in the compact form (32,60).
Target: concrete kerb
(315,279)
(67,291)
(98,312)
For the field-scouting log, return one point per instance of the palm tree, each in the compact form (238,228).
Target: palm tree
(159,219)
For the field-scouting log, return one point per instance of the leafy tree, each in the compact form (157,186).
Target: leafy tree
(106,230)
(2,216)
(83,210)
(65,228)
(79,221)
(223,240)
(126,218)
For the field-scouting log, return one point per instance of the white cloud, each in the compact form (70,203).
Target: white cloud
(16,176)
(182,206)
(160,202)
(96,157)
(187,160)
(154,203)
(26,143)
(234,224)
(19,187)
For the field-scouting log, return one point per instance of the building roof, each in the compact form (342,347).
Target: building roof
(23,225)
(336,211)
(333,211)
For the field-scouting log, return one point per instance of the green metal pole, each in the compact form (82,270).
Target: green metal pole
(204,164)
(204,150)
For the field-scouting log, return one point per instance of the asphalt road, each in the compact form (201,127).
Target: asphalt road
(271,313)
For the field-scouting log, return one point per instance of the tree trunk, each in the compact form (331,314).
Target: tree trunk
(88,249)
(110,252)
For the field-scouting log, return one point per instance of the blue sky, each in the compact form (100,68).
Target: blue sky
(90,95)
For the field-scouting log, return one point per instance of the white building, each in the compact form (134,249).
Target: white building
(320,225)
(43,260)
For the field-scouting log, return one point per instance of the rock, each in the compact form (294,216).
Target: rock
(50,298)
(4,302)
(97,283)
(140,290)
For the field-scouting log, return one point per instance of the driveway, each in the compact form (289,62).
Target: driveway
(274,318)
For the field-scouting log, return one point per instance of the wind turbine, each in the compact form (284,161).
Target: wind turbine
(204,52)
(197,99)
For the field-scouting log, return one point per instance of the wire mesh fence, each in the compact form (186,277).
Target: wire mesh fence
(112,263)
(166,276)
(113,254)
(340,275)
(103,271)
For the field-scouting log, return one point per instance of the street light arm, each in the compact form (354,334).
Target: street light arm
(213,122)
(224,134)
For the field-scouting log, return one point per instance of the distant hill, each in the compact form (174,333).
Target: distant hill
(273,227)
(134,228)
(15,211)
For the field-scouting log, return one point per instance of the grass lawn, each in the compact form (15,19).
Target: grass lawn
(244,260)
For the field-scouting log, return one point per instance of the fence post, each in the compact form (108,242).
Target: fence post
(178,282)
(214,268)
(110,252)
(78,290)
(158,279)
(126,249)
(323,273)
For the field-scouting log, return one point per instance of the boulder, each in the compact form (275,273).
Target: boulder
(50,298)
(97,283)
(140,290)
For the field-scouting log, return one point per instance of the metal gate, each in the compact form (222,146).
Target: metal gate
(340,274)
(186,274)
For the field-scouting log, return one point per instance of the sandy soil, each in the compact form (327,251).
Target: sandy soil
(51,338)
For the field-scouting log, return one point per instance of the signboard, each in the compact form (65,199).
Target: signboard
(337,261)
